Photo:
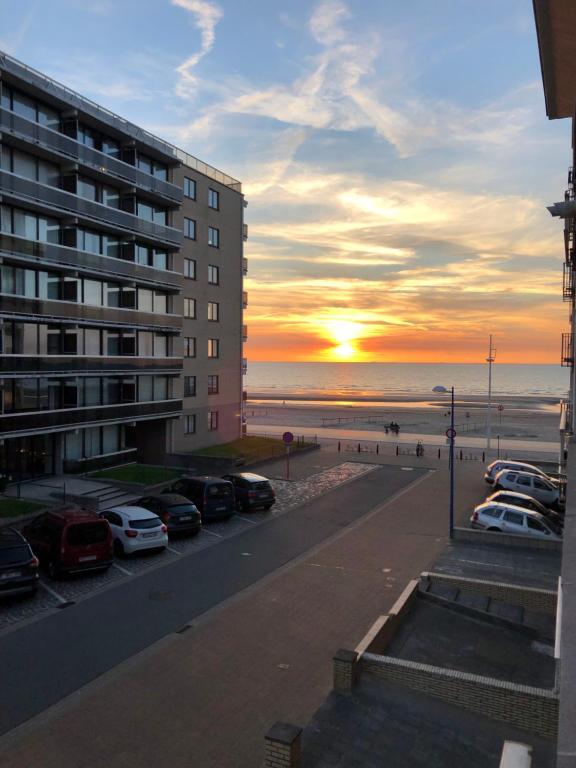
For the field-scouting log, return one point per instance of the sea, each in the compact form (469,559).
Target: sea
(362,380)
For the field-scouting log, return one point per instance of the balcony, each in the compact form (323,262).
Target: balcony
(14,424)
(83,365)
(66,204)
(68,149)
(245,232)
(35,252)
(19,308)
(567,359)
(244,366)
(244,299)
(244,266)
(568,282)
(244,333)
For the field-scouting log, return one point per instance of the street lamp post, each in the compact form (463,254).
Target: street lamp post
(452,436)
(490,359)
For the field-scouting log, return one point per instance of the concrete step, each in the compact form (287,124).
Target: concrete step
(471,600)
(119,500)
(506,611)
(443,590)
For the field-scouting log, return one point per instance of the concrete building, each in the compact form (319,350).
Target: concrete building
(556,29)
(121,297)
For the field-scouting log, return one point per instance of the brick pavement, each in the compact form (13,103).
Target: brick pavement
(206,697)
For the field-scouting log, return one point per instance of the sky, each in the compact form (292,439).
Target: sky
(395,156)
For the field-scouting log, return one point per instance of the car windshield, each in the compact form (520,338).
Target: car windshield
(147,522)
(182,509)
(14,555)
(222,491)
(87,533)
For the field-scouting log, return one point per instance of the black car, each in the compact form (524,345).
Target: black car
(18,564)
(178,513)
(251,491)
(213,496)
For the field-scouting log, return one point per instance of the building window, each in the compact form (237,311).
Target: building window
(189,346)
(212,420)
(213,348)
(190,386)
(213,275)
(213,311)
(190,268)
(190,425)
(189,188)
(214,237)
(190,308)
(190,229)
(213,199)
(213,385)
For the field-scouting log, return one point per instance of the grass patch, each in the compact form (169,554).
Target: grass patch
(13,507)
(249,448)
(144,474)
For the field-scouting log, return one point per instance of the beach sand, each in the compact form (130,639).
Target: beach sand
(519,418)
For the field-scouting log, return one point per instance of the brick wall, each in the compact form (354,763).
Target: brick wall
(539,600)
(533,709)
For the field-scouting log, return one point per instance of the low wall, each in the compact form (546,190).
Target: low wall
(529,708)
(380,634)
(473,536)
(539,600)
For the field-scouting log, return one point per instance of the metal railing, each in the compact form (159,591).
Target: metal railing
(245,231)
(567,359)
(70,96)
(71,149)
(244,266)
(244,299)
(244,333)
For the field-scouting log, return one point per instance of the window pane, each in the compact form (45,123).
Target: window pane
(160,345)
(145,302)
(23,164)
(24,106)
(24,224)
(87,189)
(92,341)
(160,387)
(93,293)
(160,302)
(48,173)
(110,439)
(145,343)
(48,117)
(92,391)
(145,388)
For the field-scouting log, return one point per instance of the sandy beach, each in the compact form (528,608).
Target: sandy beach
(512,417)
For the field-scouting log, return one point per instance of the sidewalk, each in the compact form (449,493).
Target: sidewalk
(206,697)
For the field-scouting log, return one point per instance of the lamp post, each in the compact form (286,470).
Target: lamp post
(490,359)
(452,436)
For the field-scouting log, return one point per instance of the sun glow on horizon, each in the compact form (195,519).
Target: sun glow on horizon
(344,333)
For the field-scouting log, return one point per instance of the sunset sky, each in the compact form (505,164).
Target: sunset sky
(395,156)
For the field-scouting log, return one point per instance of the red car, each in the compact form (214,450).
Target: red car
(70,540)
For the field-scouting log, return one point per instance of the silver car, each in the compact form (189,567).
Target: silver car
(506,518)
(500,464)
(537,486)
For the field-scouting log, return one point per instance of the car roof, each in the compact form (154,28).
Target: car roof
(167,499)
(514,508)
(515,495)
(205,478)
(252,477)
(10,537)
(513,463)
(522,472)
(74,514)
(133,512)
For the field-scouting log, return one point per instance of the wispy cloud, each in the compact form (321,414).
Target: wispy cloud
(205,18)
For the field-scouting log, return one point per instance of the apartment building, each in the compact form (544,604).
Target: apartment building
(120,287)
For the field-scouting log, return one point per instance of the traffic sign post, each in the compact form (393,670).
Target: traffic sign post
(500,409)
(288,438)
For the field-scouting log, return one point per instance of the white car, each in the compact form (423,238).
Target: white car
(500,464)
(135,529)
(537,486)
(509,519)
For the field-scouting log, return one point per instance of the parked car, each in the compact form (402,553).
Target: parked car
(213,496)
(526,502)
(500,464)
(178,513)
(135,529)
(251,491)
(69,540)
(509,519)
(537,486)
(18,565)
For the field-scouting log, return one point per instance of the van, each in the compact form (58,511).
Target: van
(213,496)
(251,491)
(69,540)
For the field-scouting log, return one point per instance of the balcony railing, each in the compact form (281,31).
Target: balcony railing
(245,231)
(70,149)
(83,365)
(244,366)
(567,359)
(34,251)
(244,299)
(244,266)
(72,205)
(52,311)
(568,282)
(43,421)
(244,333)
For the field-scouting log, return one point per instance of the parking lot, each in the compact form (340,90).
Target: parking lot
(54,595)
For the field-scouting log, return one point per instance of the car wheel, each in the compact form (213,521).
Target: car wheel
(498,530)
(119,549)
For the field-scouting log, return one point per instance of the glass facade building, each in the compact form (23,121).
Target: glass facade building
(91,283)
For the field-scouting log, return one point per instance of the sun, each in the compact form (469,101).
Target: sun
(343,333)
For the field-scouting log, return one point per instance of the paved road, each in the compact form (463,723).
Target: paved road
(44,661)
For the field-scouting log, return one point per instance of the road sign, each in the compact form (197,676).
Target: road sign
(500,407)
(451,433)
(288,437)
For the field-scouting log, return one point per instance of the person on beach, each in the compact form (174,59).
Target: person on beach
(419,448)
